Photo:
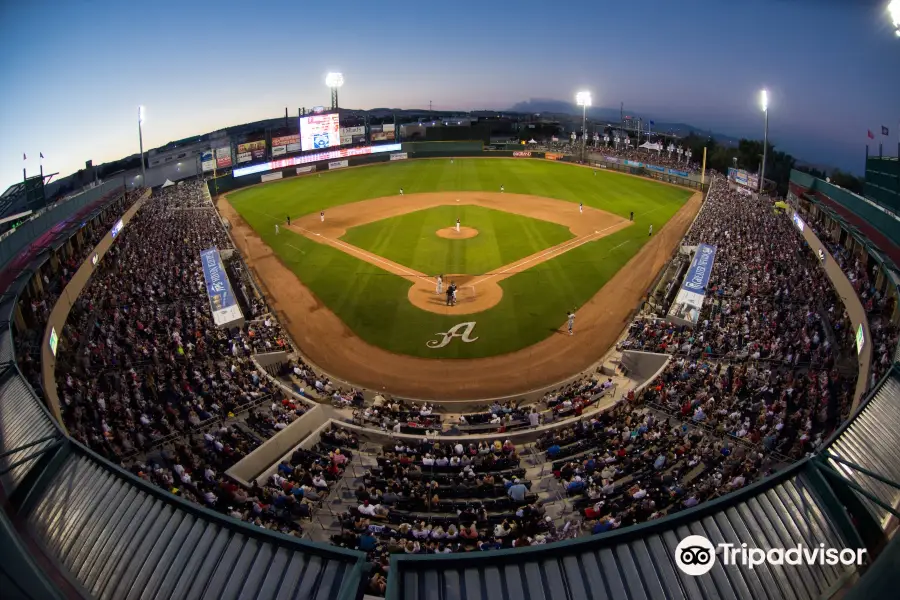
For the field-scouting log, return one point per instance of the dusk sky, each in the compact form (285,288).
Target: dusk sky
(74,72)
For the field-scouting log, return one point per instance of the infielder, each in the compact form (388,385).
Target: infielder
(322,216)
(651,230)
(457,225)
(581,207)
(440,285)
(501,189)
(571,318)
(289,220)
(631,218)
(401,191)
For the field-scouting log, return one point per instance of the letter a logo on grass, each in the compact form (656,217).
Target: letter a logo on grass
(461,331)
(695,555)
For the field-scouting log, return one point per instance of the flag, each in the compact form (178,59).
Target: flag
(884,130)
(652,123)
(871,135)
(42,154)
(24,157)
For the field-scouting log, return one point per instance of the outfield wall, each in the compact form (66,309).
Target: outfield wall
(417,150)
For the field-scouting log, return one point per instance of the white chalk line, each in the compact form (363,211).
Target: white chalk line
(559,250)
(369,256)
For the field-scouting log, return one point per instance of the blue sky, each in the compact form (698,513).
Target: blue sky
(73,72)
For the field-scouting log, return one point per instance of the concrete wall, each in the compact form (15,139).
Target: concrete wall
(263,460)
(61,309)
(851,302)
(644,366)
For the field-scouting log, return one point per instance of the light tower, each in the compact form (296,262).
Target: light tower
(762,171)
(141,142)
(334,81)
(583,99)
(894,10)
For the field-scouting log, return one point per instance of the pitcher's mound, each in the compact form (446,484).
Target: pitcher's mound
(451,233)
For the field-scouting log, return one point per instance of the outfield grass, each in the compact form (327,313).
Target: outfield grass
(373,303)
(503,238)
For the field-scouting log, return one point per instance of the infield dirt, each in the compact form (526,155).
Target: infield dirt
(333,346)
(475,294)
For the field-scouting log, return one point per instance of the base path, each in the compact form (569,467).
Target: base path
(332,346)
(475,293)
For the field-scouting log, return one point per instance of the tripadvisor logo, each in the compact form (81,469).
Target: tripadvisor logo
(695,555)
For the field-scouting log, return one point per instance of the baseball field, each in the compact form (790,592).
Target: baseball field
(364,258)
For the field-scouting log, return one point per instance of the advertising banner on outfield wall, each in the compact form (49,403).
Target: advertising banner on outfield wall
(223,157)
(388,128)
(251,146)
(611,159)
(522,154)
(686,308)
(272,176)
(207,161)
(632,163)
(286,140)
(655,168)
(399,156)
(338,164)
(306,169)
(678,173)
(553,156)
(284,144)
(293,161)
(351,131)
(244,157)
(346,140)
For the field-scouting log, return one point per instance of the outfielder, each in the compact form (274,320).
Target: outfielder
(571,318)
(440,285)
(581,207)
(322,216)
(289,220)
(651,230)
(457,225)
(276,228)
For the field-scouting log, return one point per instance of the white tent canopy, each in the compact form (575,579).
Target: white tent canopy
(532,141)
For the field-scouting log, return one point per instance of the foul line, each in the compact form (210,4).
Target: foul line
(559,250)
(368,255)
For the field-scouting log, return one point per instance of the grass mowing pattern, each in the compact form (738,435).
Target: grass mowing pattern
(502,239)
(373,303)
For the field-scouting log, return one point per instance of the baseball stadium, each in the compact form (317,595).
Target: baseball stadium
(351,354)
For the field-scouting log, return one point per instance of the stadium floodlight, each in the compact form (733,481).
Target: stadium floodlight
(334,81)
(141,144)
(583,99)
(894,10)
(764,97)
